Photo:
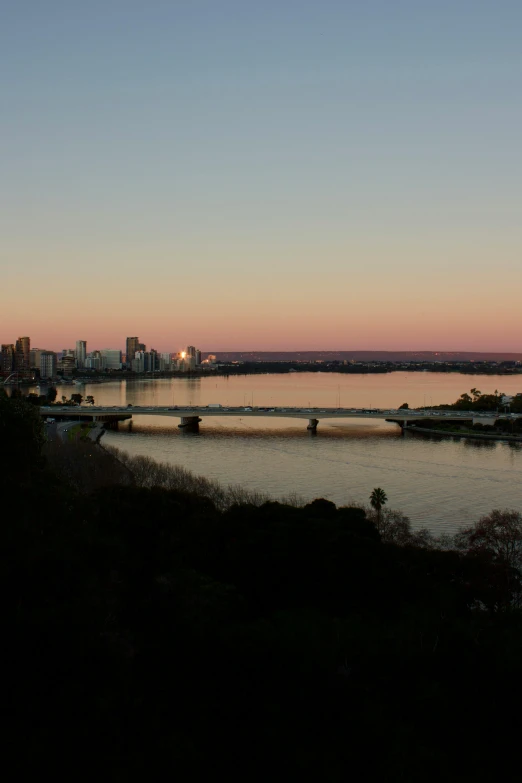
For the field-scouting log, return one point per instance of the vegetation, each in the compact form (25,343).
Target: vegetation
(377,500)
(50,398)
(149,473)
(154,630)
(476,401)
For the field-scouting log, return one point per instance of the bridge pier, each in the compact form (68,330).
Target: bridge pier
(312,425)
(189,423)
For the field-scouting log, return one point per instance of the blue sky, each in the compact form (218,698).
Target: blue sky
(253,157)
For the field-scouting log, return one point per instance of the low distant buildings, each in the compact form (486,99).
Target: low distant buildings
(34,358)
(165,362)
(94,361)
(67,364)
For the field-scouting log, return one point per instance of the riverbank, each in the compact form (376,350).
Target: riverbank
(464,434)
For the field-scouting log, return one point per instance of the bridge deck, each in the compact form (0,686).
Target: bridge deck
(289,413)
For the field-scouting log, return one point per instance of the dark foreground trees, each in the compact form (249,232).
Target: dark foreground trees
(498,534)
(146,633)
(497,538)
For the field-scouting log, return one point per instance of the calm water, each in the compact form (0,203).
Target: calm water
(439,483)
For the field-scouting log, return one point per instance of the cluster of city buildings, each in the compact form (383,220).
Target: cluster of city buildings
(23,361)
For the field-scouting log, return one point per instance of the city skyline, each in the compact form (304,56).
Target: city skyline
(277,176)
(131,346)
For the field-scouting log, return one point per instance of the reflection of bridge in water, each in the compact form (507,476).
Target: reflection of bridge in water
(191,416)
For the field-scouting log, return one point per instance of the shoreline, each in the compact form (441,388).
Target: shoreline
(457,434)
(260,370)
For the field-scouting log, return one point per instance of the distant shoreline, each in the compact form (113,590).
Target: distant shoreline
(275,368)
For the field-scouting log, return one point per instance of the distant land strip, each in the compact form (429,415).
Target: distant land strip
(366,356)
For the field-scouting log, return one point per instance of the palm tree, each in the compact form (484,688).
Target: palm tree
(378,498)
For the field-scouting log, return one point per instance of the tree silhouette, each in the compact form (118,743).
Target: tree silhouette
(499,533)
(498,536)
(378,499)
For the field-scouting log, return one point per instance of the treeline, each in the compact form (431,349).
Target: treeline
(159,631)
(149,473)
(274,368)
(476,401)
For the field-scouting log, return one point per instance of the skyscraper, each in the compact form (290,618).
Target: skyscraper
(154,364)
(7,358)
(23,350)
(131,348)
(81,352)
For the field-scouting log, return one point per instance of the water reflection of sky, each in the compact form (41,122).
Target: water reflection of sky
(439,482)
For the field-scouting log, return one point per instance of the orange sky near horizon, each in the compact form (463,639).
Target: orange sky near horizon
(313,318)
(218,174)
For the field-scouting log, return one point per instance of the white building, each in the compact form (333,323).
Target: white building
(47,364)
(94,363)
(138,364)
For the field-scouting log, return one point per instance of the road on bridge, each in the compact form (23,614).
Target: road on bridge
(191,415)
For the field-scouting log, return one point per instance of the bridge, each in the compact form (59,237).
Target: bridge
(192,415)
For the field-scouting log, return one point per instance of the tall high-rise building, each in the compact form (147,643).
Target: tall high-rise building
(132,346)
(23,351)
(191,351)
(47,364)
(81,352)
(154,364)
(7,360)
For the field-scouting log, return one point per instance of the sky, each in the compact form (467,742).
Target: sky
(276,175)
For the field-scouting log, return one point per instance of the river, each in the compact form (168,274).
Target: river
(440,483)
